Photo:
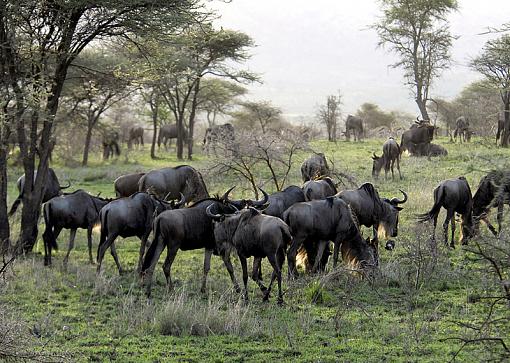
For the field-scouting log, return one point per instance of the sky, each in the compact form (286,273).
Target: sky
(307,50)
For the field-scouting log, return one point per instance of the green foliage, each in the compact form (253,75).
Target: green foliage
(257,115)
(374,117)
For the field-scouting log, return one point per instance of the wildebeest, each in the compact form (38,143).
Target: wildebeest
(279,202)
(461,129)
(455,196)
(252,234)
(52,188)
(314,167)
(135,135)
(391,154)
(126,185)
(421,134)
(319,189)
(170,182)
(329,219)
(72,211)
(219,135)
(493,191)
(353,124)
(436,150)
(428,149)
(372,211)
(110,144)
(185,229)
(167,133)
(129,217)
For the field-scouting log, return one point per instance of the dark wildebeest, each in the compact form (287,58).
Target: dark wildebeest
(372,211)
(423,133)
(167,133)
(391,154)
(185,229)
(353,124)
(135,135)
(455,196)
(129,217)
(461,129)
(72,211)
(436,150)
(252,234)
(329,219)
(170,182)
(319,189)
(126,185)
(110,144)
(279,202)
(52,189)
(219,135)
(314,167)
(493,191)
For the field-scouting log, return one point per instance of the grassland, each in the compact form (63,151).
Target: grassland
(409,312)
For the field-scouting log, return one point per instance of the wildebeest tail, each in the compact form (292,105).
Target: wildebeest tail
(438,202)
(287,237)
(16,204)
(48,235)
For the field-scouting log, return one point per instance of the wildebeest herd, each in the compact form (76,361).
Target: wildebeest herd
(174,205)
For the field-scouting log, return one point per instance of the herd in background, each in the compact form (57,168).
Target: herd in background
(174,204)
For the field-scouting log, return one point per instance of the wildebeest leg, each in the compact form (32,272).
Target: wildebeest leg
(103,246)
(336,250)
(143,244)
(490,226)
(113,251)
(321,246)
(50,236)
(291,256)
(452,242)
(398,167)
(256,273)
(500,216)
(72,236)
(280,255)
(449,214)
(207,267)
(171,252)
(89,243)
(228,264)
(244,265)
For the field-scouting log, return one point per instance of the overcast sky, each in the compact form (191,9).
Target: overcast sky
(307,50)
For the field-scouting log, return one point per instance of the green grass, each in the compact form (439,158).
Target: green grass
(325,318)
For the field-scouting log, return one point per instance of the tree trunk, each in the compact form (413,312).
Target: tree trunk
(86,149)
(154,110)
(506,128)
(423,108)
(4,220)
(180,134)
(192,114)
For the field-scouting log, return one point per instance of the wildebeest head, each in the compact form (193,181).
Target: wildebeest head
(246,203)
(378,163)
(389,220)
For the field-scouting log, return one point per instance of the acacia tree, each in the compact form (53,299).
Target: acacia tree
(494,65)
(329,114)
(418,32)
(257,115)
(39,40)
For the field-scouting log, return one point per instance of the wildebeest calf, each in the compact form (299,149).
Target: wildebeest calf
(126,185)
(391,154)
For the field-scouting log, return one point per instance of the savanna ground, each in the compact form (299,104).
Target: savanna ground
(411,311)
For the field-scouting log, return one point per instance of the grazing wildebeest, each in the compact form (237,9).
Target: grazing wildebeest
(186,229)
(170,182)
(455,196)
(167,133)
(72,211)
(252,234)
(319,189)
(391,154)
(110,144)
(372,211)
(423,133)
(129,217)
(314,167)
(279,202)
(354,124)
(135,135)
(329,219)
(484,200)
(126,185)
(461,129)
(219,135)
(52,189)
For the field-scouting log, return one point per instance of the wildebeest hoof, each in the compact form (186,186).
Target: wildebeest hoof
(390,245)
(237,289)
(280,301)
(266,296)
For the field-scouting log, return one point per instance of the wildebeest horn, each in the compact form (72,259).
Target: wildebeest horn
(260,203)
(98,194)
(225,196)
(398,201)
(67,186)
(181,202)
(374,156)
(215,217)
(166,196)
